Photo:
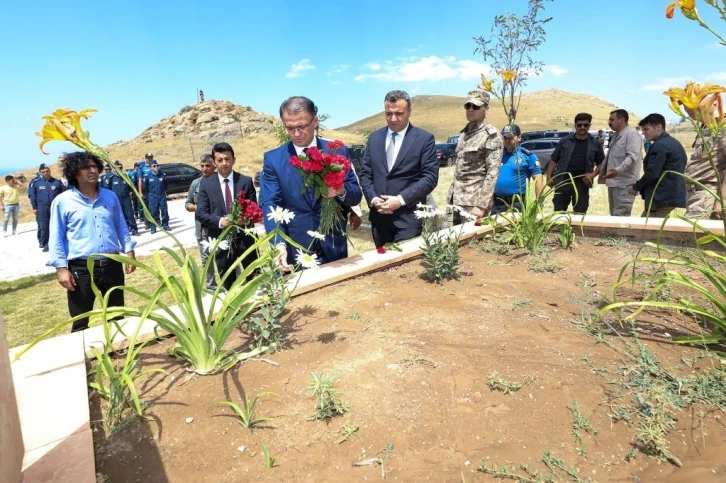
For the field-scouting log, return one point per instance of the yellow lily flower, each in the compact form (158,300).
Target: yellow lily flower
(508,75)
(65,125)
(688,9)
(487,85)
(692,96)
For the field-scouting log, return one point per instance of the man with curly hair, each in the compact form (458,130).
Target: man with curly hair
(86,223)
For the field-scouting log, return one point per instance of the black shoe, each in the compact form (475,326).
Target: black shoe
(41,246)
(134,233)
(45,249)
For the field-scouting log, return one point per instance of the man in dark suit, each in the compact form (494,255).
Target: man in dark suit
(282,186)
(399,169)
(214,202)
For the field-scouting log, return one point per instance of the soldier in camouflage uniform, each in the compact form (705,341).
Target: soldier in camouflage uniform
(478,156)
(699,202)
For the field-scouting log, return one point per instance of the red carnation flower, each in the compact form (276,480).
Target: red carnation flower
(334,179)
(307,166)
(381,250)
(477,223)
(295,161)
(241,197)
(316,166)
(314,154)
(333,145)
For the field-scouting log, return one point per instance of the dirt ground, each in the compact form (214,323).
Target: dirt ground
(414,361)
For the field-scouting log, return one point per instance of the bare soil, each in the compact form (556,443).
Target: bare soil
(414,360)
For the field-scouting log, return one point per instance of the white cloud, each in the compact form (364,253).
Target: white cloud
(339,69)
(297,70)
(555,70)
(423,69)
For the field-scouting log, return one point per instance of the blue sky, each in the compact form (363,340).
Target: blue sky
(139,61)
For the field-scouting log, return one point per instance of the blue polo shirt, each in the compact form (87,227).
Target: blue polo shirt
(516,168)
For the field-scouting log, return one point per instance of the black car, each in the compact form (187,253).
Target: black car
(446,154)
(179,177)
(355,154)
(528,136)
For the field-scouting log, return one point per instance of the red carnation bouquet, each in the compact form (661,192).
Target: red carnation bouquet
(325,171)
(242,212)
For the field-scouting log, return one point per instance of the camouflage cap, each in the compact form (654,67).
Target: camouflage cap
(478,98)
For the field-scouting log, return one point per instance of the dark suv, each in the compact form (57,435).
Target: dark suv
(179,177)
(446,154)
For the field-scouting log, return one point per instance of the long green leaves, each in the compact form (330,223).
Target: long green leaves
(530,227)
(246,415)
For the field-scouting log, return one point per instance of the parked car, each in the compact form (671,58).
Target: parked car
(528,136)
(446,154)
(179,176)
(542,148)
(355,154)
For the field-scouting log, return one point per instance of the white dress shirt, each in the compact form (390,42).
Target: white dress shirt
(231,189)
(396,149)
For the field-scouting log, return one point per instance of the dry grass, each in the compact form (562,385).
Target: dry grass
(548,109)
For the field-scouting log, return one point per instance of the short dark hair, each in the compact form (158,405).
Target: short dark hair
(621,113)
(654,119)
(222,148)
(298,104)
(9,177)
(395,96)
(584,116)
(207,158)
(74,162)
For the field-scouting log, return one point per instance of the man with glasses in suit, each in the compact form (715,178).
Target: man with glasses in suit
(478,157)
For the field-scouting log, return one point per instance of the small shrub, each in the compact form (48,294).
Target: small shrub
(281,133)
(269,460)
(246,415)
(186,108)
(541,264)
(497,383)
(327,399)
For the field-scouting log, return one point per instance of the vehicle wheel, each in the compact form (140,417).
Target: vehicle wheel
(451,161)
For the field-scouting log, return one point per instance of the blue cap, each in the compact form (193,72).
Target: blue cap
(42,166)
(155,163)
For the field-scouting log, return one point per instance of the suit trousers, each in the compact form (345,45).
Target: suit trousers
(385,232)
(620,201)
(105,277)
(578,195)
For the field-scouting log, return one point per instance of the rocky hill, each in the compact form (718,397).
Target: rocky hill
(547,109)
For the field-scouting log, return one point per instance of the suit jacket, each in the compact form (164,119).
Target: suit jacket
(211,207)
(415,174)
(282,185)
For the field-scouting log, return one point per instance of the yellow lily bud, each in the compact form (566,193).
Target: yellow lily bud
(688,9)
(65,125)
(487,85)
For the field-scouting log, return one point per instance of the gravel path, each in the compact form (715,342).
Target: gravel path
(22,257)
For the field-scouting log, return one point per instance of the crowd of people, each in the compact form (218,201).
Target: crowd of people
(97,212)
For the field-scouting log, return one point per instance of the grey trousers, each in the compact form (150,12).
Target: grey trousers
(210,282)
(620,201)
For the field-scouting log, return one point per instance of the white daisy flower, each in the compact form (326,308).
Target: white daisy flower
(421,214)
(206,244)
(421,206)
(280,215)
(223,245)
(316,235)
(306,260)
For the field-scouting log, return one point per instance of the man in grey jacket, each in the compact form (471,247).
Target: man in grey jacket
(622,165)
(206,165)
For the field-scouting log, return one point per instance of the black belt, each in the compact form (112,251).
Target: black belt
(98,262)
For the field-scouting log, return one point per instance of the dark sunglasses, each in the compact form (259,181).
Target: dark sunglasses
(469,105)
(582,124)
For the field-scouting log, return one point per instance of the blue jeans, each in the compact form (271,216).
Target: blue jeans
(11,210)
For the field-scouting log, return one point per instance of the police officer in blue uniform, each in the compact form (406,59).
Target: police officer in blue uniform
(107,171)
(42,191)
(133,175)
(518,165)
(144,171)
(155,189)
(116,183)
